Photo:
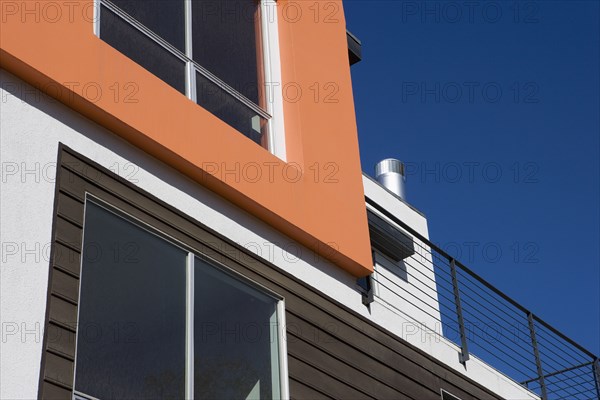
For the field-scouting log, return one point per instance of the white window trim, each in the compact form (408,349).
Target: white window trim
(283,354)
(189,327)
(273,81)
(271,64)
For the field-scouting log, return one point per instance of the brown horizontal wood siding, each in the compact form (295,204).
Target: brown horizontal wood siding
(333,353)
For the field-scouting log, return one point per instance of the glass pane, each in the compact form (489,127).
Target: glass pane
(141,49)
(131,328)
(226,41)
(235,338)
(230,110)
(163,17)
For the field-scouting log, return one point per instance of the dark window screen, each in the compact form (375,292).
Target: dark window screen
(226,36)
(163,17)
(141,49)
(131,329)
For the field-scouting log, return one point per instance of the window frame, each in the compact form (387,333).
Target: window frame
(445,395)
(271,62)
(193,253)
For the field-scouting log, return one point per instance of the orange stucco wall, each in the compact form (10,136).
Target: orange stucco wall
(315,198)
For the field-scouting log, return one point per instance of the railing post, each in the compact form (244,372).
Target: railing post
(464,350)
(536,353)
(596,369)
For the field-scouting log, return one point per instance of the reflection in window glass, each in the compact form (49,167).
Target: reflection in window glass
(131,332)
(230,110)
(236,353)
(131,328)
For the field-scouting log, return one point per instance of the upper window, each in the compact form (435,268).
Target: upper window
(157,321)
(216,52)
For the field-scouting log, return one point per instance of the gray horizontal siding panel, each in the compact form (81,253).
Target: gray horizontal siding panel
(332,351)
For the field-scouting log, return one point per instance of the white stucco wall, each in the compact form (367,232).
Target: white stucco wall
(31,128)
(407,287)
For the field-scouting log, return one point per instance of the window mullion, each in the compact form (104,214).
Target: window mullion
(190,81)
(189,328)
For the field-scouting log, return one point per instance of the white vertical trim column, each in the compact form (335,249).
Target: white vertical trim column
(273,82)
(189,328)
(96,17)
(190,71)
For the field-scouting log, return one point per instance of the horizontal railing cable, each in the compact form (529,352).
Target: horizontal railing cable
(407,292)
(486,319)
(416,306)
(467,310)
(559,372)
(578,379)
(434,317)
(568,387)
(468,288)
(542,345)
(552,338)
(571,393)
(473,274)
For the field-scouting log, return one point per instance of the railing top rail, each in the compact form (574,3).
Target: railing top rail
(474,275)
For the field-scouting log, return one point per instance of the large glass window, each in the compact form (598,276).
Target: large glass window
(157,321)
(131,327)
(236,347)
(210,50)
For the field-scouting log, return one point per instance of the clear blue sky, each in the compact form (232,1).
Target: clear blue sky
(495,109)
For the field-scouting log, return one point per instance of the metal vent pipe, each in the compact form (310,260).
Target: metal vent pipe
(390,174)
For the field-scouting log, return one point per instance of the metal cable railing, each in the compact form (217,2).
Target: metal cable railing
(483,321)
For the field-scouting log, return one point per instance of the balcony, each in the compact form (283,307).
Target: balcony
(484,326)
